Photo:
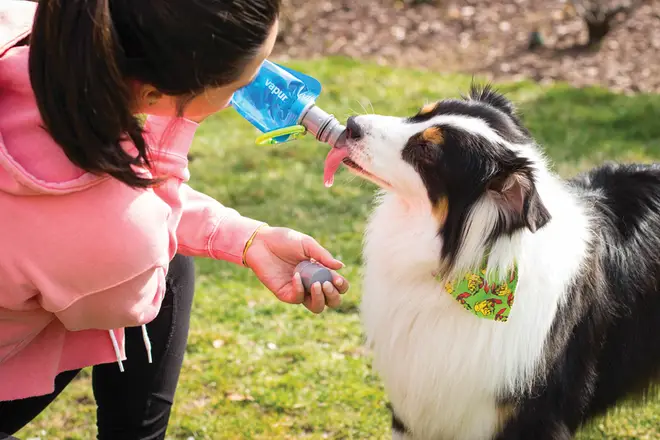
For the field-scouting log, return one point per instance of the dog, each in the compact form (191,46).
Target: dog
(499,300)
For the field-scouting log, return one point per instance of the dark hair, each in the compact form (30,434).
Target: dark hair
(84,53)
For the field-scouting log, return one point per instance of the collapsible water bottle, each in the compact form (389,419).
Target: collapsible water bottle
(280,102)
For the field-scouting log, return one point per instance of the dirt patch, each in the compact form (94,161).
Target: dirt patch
(486,37)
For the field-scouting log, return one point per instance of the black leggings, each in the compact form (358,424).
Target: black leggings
(135,404)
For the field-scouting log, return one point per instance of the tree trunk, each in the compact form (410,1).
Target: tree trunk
(598,30)
(599,16)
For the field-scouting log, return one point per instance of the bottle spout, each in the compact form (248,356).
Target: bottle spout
(325,127)
(340,142)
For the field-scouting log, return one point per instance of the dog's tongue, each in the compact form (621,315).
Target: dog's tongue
(332,163)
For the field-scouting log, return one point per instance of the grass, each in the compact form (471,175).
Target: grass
(259,369)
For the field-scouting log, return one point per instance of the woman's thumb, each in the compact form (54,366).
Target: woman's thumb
(312,249)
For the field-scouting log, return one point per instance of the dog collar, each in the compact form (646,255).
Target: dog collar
(488,296)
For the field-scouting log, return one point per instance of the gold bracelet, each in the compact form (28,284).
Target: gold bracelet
(249,242)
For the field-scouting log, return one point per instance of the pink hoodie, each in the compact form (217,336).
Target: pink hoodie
(83,256)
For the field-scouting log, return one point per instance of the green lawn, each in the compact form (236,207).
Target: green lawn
(259,369)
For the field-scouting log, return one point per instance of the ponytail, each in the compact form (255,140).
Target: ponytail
(76,66)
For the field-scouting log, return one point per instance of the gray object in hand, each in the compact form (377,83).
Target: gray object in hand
(311,273)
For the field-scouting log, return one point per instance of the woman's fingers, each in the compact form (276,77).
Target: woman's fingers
(332,298)
(298,288)
(315,301)
(340,282)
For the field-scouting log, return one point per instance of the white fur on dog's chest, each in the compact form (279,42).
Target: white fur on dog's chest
(443,367)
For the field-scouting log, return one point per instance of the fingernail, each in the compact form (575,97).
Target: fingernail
(327,287)
(339,282)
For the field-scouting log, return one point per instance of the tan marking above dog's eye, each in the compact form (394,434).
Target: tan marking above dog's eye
(428,108)
(440,209)
(433,135)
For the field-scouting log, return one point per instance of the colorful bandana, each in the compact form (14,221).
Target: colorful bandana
(485,297)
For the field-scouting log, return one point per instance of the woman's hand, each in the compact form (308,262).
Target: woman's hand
(273,256)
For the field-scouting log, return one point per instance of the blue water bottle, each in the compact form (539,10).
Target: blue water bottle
(280,102)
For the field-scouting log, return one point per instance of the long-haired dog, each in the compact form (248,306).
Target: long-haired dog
(500,301)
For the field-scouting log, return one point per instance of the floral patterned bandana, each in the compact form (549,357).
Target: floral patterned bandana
(485,297)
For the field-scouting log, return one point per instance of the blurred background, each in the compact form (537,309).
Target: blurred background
(614,43)
(586,77)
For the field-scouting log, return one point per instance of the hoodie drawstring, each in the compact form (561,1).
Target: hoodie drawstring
(113,338)
(147,342)
(115,345)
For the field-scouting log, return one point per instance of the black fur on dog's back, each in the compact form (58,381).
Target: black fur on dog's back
(605,342)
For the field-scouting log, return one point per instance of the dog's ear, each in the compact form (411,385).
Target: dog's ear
(519,201)
(488,95)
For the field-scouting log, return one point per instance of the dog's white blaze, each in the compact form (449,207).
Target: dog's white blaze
(443,367)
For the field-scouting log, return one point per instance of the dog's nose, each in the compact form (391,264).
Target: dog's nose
(353,129)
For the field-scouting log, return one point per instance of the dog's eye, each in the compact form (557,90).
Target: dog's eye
(424,149)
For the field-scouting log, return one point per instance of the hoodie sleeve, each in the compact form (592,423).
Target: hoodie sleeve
(207,228)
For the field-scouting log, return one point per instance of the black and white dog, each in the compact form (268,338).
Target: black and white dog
(468,192)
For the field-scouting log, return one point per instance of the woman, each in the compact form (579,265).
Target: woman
(97,224)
